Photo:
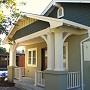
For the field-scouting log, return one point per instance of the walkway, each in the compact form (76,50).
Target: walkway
(9,88)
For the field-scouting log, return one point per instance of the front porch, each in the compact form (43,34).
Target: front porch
(61,64)
(73,80)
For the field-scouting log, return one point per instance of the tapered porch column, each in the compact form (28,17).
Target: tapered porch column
(12,60)
(59,50)
(12,63)
(50,51)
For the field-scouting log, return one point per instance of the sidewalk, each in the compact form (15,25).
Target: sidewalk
(9,88)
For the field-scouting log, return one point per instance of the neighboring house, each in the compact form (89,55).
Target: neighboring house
(4,60)
(57,42)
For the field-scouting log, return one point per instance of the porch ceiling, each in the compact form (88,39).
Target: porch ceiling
(31,41)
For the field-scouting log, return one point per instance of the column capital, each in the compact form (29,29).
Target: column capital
(57,30)
(50,33)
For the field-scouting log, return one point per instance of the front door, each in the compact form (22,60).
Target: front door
(44,59)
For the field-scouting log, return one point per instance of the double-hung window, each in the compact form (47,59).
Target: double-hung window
(32,57)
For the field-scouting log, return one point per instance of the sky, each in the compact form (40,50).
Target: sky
(35,6)
(32,6)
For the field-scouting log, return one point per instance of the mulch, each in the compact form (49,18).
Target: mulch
(5,83)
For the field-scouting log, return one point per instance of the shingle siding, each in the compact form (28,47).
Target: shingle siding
(79,13)
(32,28)
(53,13)
(76,12)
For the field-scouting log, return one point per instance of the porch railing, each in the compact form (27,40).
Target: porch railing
(73,80)
(19,73)
(39,78)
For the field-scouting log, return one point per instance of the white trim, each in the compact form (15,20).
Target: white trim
(47,8)
(56,1)
(62,12)
(68,34)
(68,22)
(66,45)
(34,35)
(45,38)
(32,65)
(73,1)
(54,22)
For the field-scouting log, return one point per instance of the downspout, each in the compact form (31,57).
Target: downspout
(82,60)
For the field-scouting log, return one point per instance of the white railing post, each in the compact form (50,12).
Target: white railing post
(20,74)
(39,78)
(36,78)
(73,80)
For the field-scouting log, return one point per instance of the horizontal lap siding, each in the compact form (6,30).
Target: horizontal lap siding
(32,28)
(76,12)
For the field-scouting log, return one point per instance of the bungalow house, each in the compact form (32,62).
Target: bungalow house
(57,47)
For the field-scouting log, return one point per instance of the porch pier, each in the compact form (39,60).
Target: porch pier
(12,62)
(56,79)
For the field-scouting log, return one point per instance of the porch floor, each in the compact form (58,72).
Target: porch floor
(26,84)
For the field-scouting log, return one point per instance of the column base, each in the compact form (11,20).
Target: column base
(11,70)
(55,80)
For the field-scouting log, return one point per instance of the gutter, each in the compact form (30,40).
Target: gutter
(82,60)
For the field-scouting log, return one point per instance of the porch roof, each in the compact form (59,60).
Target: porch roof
(50,22)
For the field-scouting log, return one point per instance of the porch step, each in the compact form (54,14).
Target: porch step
(27,84)
(23,87)
(38,88)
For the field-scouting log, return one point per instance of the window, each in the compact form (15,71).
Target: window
(32,57)
(65,55)
(60,12)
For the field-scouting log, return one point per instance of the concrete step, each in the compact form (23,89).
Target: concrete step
(38,88)
(23,87)
(27,84)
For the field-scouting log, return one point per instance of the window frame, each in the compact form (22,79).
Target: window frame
(60,8)
(32,65)
(66,45)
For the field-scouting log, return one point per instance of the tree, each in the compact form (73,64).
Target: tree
(9,4)
(6,22)
(2,50)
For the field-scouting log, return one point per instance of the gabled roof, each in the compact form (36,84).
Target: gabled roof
(54,2)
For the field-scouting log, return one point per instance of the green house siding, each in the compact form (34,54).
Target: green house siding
(53,13)
(87,75)
(32,28)
(76,12)
(74,56)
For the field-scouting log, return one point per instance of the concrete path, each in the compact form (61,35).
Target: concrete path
(9,88)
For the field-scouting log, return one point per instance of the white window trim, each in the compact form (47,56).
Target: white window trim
(31,65)
(60,8)
(66,44)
